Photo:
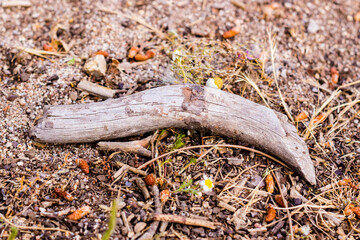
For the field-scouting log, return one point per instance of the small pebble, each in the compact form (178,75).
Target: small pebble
(12,97)
(52,78)
(255,180)
(24,77)
(139,227)
(73,96)
(96,66)
(313,27)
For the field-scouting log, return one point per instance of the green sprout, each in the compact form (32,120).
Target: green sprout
(112,221)
(13,233)
(71,61)
(187,187)
(179,141)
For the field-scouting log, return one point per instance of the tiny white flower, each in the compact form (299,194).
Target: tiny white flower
(207,184)
(305,229)
(214,83)
(176,56)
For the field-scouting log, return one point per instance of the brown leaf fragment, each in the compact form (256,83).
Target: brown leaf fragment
(150,179)
(279,200)
(141,57)
(349,209)
(79,213)
(270,184)
(356,211)
(133,51)
(63,194)
(232,32)
(102,52)
(302,116)
(164,195)
(83,165)
(271,213)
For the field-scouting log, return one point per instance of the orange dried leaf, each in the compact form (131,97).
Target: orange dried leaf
(63,194)
(49,48)
(150,179)
(270,184)
(6,108)
(319,118)
(348,209)
(345,182)
(102,52)
(141,57)
(357,17)
(271,213)
(78,214)
(334,76)
(279,200)
(133,51)
(150,54)
(301,116)
(83,165)
(356,211)
(164,195)
(231,33)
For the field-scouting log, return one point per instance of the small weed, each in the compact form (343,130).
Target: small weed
(112,221)
(187,187)
(13,233)
(179,143)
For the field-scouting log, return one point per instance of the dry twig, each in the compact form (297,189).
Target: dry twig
(185,220)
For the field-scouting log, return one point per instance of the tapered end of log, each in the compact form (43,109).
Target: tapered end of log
(183,106)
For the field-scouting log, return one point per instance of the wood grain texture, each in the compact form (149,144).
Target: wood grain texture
(181,106)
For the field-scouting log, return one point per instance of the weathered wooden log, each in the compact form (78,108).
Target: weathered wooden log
(181,106)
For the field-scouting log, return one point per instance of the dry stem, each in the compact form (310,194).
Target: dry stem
(184,220)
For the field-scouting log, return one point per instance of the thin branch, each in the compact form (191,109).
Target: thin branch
(272,53)
(185,220)
(213,145)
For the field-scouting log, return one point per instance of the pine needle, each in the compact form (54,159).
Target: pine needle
(272,53)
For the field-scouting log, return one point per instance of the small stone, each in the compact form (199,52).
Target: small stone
(101,178)
(12,97)
(199,231)
(46,204)
(216,210)
(52,78)
(139,227)
(96,66)
(22,102)
(256,180)
(313,27)
(30,153)
(24,77)
(297,201)
(235,161)
(20,163)
(73,96)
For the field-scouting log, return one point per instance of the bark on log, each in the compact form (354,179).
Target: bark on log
(181,106)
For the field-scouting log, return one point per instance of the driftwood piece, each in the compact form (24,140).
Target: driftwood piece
(96,89)
(138,146)
(181,106)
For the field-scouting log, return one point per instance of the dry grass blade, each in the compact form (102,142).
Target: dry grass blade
(272,53)
(40,53)
(246,78)
(32,228)
(313,124)
(213,145)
